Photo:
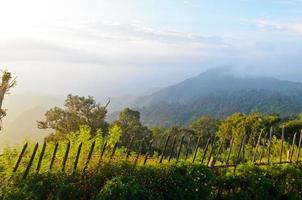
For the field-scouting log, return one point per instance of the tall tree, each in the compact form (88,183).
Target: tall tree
(129,121)
(7,82)
(77,111)
(204,127)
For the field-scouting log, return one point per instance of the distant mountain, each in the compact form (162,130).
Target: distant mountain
(23,112)
(24,127)
(18,103)
(219,93)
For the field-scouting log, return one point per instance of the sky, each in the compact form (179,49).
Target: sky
(111,48)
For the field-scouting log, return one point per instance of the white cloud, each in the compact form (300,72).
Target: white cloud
(292,27)
(109,43)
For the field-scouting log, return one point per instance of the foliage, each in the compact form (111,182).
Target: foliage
(6,84)
(129,122)
(78,111)
(239,124)
(205,127)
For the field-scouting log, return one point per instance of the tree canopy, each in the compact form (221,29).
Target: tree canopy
(78,111)
(129,121)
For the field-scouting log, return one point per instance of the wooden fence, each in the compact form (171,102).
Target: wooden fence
(209,154)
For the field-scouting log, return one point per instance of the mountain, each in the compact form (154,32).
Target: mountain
(24,127)
(23,112)
(219,93)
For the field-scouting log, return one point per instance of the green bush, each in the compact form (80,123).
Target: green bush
(120,180)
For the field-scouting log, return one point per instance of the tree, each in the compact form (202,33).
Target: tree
(292,126)
(239,124)
(205,127)
(78,111)
(7,82)
(129,122)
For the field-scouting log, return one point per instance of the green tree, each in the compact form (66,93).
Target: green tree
(205,127)
(129,122)
(78,111)
(292,126)
(239,124)
(7,83)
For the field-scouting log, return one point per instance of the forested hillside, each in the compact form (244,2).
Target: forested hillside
(219,93)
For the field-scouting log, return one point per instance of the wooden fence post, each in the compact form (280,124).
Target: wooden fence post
(31,161)
(243,148)
(205,150)
(239,153)
(77,158)
(102,152)
(282,141)
(216,157)
(212,150)
(113,151)
(139,152)
(41,158)
(180,148)
(256,148)
(187,151)
(165,148)
(66,156)
(262,148)
(270,146)
(89,156)
(20,157)
(230,151)
(54,156)
(172,150)
(299,147)
(196,149)
(292,149)
(129,148)
(149,152)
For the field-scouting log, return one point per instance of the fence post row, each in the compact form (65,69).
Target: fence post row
(213,155)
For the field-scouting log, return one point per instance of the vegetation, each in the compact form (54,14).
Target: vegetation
(78,111)
(89,158)
(6,84)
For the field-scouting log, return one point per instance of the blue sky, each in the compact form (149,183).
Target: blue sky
(109,48)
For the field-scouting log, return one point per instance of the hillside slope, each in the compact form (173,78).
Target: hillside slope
(219,93)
